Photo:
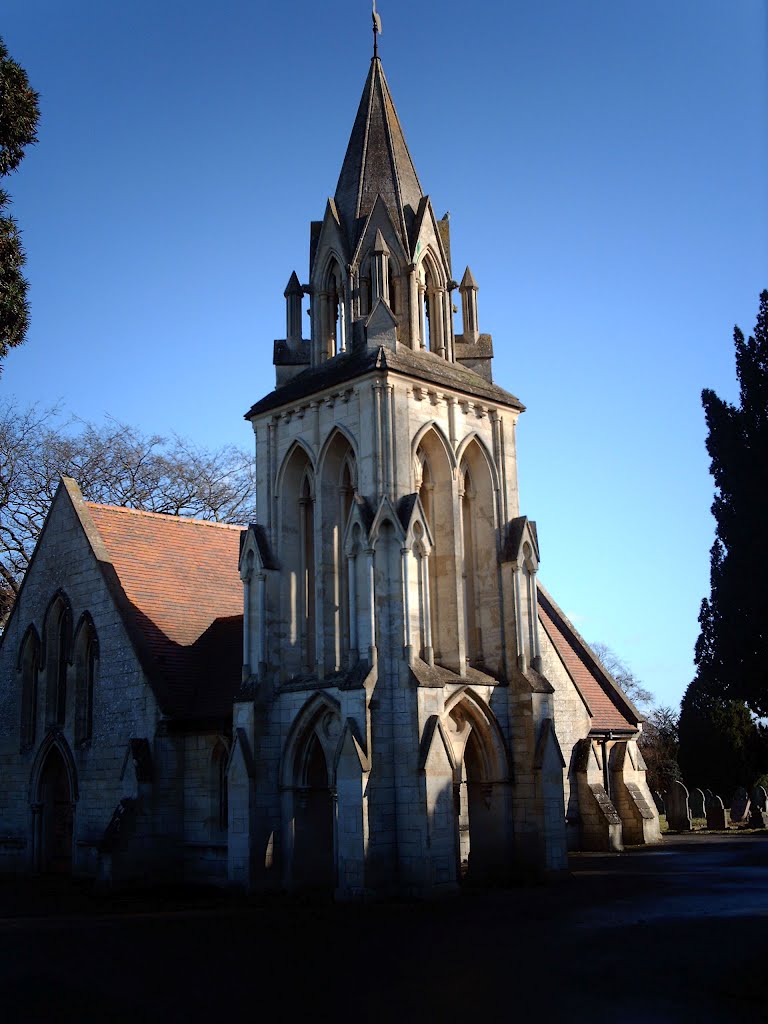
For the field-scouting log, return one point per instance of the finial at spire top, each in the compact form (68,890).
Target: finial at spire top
(376,30)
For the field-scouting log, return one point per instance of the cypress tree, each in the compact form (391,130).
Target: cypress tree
(732,649)
(19,114)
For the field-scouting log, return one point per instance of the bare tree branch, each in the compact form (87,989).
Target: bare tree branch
(113,463)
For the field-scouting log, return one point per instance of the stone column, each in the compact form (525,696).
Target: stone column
(352,579)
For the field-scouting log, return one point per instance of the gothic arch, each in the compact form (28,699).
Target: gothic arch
(28,665)
(338,430)
(30,635)
(218,766)
(57,656)
(432,298)
(296,552)
(479,557)
(333,313)
(469,705)
(85,657)
(430,263)
(331,259)
(318,706)
(462,449)
(481,785)
(437,492)
(55,740)
(307,775)
(335,489)
(297,446)
(434,427)
(53,795)
(59,598)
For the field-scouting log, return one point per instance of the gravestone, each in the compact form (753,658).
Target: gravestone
(758,816)
(678,814)
(658,799)
(708,795)
(740,806)
(696,803)
(715,813)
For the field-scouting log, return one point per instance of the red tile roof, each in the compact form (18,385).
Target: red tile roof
(183,603)
(609,708)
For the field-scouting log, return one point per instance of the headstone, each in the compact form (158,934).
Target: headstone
(758,816)
(658,799)
(696,803)
(708,795)
(740,806)
(716,813)
(678,814)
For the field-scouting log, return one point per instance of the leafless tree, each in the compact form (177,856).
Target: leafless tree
(624,676)
(113,463)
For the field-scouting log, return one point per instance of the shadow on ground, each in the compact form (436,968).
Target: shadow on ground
(673,933)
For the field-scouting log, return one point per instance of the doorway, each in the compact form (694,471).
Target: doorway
(58,814)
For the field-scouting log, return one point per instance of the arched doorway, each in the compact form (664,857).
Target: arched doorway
(479,840)
(481,790)
(57,814)
(313,858)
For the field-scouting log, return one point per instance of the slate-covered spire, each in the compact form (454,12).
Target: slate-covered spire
(377,162)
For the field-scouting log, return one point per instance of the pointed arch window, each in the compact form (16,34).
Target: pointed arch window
(427,497)
(57,646)
(468,498)
(86,663)
(436,488)
(29,664)
(219,794)
(431,326)
(334,312)
(296,551)
(346,496)
(480,571)
(307,540)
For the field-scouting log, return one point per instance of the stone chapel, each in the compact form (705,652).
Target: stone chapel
(368,690)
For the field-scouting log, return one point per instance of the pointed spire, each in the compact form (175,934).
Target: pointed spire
(379,245)
(377,162)
(293,294)
(468,281)
(469,289)
(293,287)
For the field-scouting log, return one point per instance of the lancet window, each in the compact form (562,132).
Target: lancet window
(338,477)
(86,662)
(435,488)
(58,631)
(431,311)
(333,314)
(479,568)
(219,800)
(296,548)
(307,550)
(29,663)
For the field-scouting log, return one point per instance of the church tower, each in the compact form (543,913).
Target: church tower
(395,731)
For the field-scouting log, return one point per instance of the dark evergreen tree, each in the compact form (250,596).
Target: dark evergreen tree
(721,744)
(19,114)
(732,650)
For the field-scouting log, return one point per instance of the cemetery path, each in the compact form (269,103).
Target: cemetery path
(673,933)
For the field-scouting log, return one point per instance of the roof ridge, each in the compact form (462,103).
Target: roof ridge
(166,516)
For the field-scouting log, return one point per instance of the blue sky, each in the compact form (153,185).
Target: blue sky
(605,166)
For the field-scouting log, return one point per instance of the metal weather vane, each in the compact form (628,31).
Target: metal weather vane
(376,29)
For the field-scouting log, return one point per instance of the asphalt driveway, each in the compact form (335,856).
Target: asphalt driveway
(673,933)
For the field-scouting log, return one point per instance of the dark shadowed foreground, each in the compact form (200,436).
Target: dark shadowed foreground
(673,933)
